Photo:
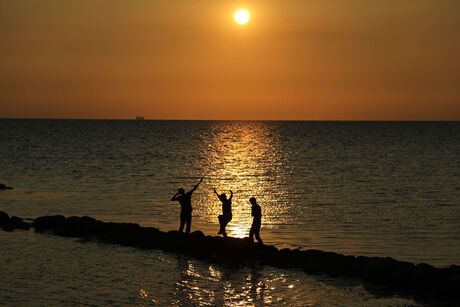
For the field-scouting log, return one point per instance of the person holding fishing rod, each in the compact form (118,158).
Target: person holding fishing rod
(185,201)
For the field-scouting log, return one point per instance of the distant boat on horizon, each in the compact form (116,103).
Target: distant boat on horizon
(139,117)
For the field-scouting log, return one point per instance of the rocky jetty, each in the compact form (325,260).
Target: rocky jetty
(421,280)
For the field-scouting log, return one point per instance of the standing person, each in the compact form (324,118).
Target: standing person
(256,213)
(185,201)
(226,215)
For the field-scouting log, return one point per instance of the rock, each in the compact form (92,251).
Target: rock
(150,238)
(450,286)
(424,278)
(377,267)
(315,261)
(197,235)
(390,272)
(4,218)
(18,223)
(4,187)
(48,223)
(341,265)
(8,227)
(79,227)
(5,222)
(269,254)
(289,258)
(10,224)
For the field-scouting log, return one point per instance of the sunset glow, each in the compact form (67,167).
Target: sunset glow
(309,60)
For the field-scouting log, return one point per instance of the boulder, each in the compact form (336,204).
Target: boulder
(450,286)
(269,254)
(48,223)
(150,238)
(4,187)
(10,224)
(18,223)
(390,272)
(4,218)
(5,222)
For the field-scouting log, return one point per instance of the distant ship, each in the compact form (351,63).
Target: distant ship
(139,117)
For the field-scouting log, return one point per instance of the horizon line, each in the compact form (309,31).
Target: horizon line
(232,120)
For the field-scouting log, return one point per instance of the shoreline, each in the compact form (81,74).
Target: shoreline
(417,280)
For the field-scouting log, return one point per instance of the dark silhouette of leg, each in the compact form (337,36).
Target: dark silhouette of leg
(251,233)
(255,231)
(225,221)
(221,222)
(182,222)
(259,239)
(188,220)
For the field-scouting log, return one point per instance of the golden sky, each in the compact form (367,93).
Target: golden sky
(184,59)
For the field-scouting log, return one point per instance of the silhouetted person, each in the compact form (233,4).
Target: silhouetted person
(226,216)
(185,200)
(256,213)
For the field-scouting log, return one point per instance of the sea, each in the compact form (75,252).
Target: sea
(389,189)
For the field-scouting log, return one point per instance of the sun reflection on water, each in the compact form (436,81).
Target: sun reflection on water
(245,157)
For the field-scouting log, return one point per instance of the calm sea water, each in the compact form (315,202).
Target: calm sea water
(362,188)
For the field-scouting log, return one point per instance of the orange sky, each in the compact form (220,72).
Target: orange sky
(184,59)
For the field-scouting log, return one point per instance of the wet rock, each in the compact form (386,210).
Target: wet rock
(48,223)
(4,218)
(234,250)
(127,234)
(424,278)
(10,224)
(269,254)
(197,235)
(5,222)
(361,262)
(174,241)
(288,258)
(19,223)
(150,238)
(390,272)
(377,267)
(341,265)
(450,286)
(315,261)
(4,187)
(334,264)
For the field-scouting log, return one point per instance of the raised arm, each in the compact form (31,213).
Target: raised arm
(216,193)
(175,197)
(231,195)
(196,186)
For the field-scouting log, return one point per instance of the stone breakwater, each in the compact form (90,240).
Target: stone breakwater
(421,280)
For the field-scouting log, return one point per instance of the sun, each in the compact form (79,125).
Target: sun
(242,16)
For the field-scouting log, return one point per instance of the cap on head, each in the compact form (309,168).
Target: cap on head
(181,191)
(252,200)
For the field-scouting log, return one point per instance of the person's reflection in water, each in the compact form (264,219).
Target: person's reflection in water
(185,200)
(256,213)
(257,287)
(226,215)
